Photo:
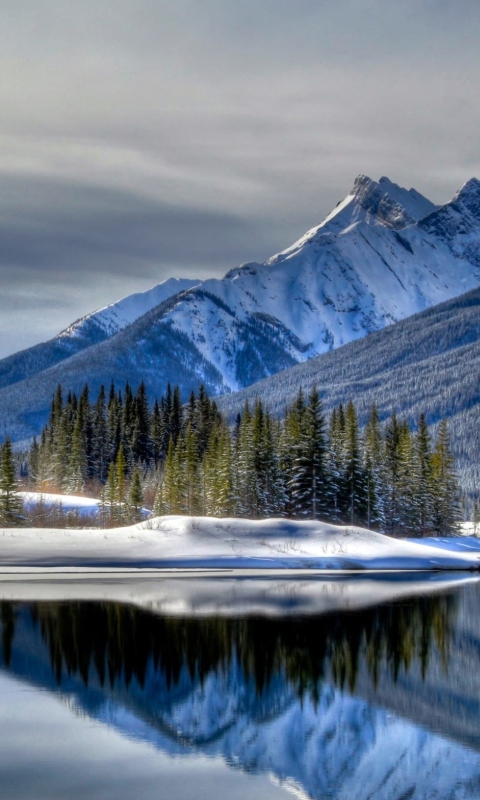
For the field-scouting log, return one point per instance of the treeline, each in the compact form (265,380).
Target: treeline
(304,466)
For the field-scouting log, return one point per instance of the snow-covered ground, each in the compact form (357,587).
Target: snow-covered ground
(205,543)
(84,506)
(68,503)
(470,528)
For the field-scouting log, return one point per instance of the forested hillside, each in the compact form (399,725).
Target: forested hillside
(429,363)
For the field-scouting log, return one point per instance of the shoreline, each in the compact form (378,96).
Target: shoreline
(228,545)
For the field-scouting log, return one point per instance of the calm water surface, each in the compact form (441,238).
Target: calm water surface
(110,700)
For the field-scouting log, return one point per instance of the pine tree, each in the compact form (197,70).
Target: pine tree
(100,437)
(156,434)
(34,460)
(141,445)
(244,463)
(173,490)
(77,468)
(354,476)
(114,427)
(446,509)
(407,482)
(374,465)
(392,460)
(291,455)
(120,472)
(110,498)
(337,464)
(176,415)
(424,484)
(225,495)
(476,519)
(135,497)
(191,471)
(11,505)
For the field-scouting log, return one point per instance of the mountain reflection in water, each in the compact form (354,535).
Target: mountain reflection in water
(334,703)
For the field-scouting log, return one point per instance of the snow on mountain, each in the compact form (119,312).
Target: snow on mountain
(458,223)
(86,332)
(370,263)
(115,317)
(383,254)
(382,203)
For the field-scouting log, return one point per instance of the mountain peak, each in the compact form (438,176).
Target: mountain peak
(388,204)
(458,222)
(469,196)
(374,202)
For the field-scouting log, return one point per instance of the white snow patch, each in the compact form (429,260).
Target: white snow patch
(84,506)
(199,542)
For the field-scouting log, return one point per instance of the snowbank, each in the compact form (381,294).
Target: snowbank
(84,506)
(68,503)
(204,543)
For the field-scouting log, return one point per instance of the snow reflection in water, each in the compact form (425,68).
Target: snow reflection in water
(379,702)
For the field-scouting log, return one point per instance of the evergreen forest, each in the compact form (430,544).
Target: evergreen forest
(186,458)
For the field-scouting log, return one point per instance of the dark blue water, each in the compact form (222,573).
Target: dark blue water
(113,700)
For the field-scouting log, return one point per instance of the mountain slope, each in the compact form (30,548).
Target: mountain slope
(427,363)
(353,274)
(87,331)
(382,255)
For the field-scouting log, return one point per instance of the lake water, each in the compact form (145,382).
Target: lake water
(241,689)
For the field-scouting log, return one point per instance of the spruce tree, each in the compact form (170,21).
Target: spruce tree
(374,465)
(77,468)
(11,505)
(135,496)
(446,506)
(111,495)
(141,445)
(225,499)
(354,476)
(407,482)
(292,454)
(392,462)
(245,457)
(192,477)
(100,437)
(476,519)
(120,473)
(337,464)
(423,476)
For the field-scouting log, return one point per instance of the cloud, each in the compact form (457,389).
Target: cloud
(51,226)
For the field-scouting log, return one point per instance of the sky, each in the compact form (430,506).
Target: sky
(143,139)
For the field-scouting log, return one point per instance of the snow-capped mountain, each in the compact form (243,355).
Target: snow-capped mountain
(383,254)
(115,317)
(373,261)
(88,331)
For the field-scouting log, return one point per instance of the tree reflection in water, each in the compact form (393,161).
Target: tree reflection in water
(121,642)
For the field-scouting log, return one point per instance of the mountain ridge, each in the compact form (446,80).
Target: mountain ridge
(383,254)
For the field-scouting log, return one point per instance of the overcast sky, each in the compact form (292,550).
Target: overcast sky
(146,139)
